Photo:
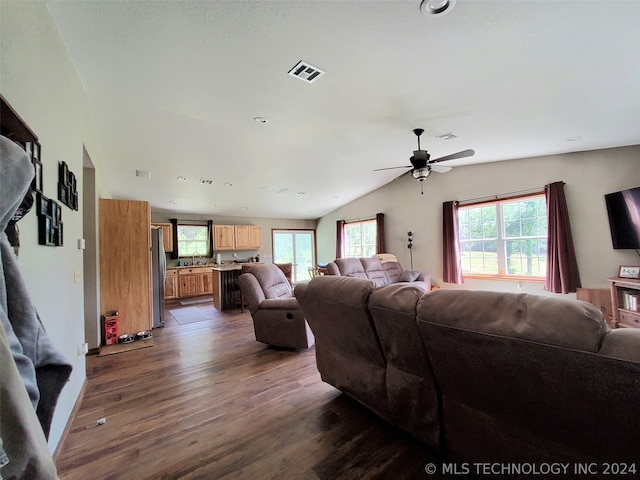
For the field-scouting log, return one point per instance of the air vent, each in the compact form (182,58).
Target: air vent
(305,71)
(205,181)
(143,173)
(446,136)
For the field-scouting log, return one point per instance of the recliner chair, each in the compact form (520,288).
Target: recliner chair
(277,317)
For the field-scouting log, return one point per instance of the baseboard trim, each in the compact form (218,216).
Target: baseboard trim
(67,428)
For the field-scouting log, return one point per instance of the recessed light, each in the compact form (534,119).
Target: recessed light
(301,193)
(206,181)
(574,139)
(261,120)
(182,179)
(174,202)
(244,207)
(266,189)
(228,184)
(436,7)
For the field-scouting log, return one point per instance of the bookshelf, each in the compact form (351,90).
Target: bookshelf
(626,314)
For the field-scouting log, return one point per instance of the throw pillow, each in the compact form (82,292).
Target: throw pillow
(409,276)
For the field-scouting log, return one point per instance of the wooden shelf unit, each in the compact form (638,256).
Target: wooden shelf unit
(624,318)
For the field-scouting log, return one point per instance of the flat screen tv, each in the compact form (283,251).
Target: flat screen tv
(624,218)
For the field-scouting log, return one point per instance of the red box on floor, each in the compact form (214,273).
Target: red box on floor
(110,322)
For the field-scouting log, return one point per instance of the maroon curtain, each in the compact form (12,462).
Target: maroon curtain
(339,237)
(380,244)
(562,267)
(451,261)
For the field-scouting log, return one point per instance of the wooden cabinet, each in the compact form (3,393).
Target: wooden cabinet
(248,237)
(125,262)
(196,281)
(167,235)
(223,237)
(626,312)
(237,237)
(171,285)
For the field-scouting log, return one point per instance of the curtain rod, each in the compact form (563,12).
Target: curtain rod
(503,195)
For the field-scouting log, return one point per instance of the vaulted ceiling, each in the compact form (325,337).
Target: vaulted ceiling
(174,88)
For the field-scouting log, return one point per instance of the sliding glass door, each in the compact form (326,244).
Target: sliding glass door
(297,247)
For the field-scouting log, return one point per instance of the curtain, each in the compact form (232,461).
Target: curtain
(380,244)
(339,237)
(562,267)
(210,237)
(451,261)
(174,229)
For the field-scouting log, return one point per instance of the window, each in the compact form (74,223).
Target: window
(193,240)
(360,238)
(505,238)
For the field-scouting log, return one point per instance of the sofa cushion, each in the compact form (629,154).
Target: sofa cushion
(350,267)
(409,276)
(548,320)
(393,271)
(272,280)
(373,269)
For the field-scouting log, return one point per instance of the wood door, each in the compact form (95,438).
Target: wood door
(242,237)
(223,237)
(205,283)
(171,285)
(188,285)
(255,237)
(125,262)
(167,235)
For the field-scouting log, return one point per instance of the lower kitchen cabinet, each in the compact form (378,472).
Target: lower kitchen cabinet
(171,285)
(195,281)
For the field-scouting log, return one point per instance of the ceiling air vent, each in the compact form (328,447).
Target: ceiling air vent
(305,71)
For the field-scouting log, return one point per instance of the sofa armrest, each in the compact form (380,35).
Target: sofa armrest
(251,290)
(622,343)
(290,303)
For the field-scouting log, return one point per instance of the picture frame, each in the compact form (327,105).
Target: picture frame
(42,205)
(629,271)
(37,179)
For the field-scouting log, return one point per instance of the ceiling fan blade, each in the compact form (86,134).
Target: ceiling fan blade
(453,156)
(440,168)
(391,168)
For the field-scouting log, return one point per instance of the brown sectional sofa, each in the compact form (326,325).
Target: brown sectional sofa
(481,376)
(382,270)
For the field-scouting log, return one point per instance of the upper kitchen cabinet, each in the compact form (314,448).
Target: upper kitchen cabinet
(167,235)
(248,237)
(125,263)
(224,237)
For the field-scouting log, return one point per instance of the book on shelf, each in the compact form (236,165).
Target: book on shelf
(631,301)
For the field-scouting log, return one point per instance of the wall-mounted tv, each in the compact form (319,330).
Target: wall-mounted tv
(624,218)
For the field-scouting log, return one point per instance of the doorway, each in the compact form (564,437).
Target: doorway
(297,247)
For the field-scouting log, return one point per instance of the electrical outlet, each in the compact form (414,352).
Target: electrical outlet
(76,276)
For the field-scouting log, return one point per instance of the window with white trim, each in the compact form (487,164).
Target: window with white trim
(360,238)
(504,238)
(193,240)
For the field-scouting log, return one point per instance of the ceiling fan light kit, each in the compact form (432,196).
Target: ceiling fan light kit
(422,165)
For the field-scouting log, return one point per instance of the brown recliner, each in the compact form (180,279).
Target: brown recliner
(277,318)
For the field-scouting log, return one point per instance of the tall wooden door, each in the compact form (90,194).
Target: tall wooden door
(125,263)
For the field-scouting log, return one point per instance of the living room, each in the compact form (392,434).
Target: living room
(40,81)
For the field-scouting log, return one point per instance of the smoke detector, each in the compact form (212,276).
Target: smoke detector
(306,72)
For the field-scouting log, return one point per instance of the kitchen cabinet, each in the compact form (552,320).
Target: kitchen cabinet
(167,235)
(248,237)
(196,281)
(223,237)
(237,237)
(171,285)
(125,262)
(626,313)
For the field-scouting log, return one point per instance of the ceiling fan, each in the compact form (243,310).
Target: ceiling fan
(421,166)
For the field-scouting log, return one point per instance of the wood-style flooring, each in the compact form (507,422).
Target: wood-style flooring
(209,402)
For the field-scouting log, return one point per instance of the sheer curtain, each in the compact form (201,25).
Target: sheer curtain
(451,261)
(562,267)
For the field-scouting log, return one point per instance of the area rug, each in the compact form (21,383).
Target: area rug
(193,301)
(185,316)
(125,347)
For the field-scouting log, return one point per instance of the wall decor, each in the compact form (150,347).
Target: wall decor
(49,221)
(33,151)
(67,187)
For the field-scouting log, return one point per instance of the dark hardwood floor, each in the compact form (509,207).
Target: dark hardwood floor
(209,402)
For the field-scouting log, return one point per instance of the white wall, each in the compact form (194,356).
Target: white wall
(39,81)
(588,177)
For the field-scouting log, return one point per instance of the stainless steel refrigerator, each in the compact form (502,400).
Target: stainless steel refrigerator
(158,274)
